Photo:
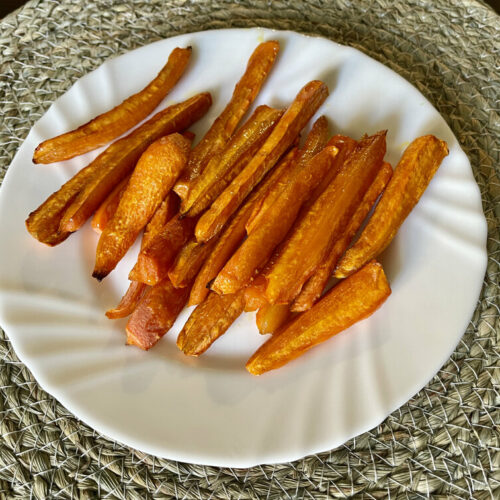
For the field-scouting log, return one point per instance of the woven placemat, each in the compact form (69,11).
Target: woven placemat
(444,442)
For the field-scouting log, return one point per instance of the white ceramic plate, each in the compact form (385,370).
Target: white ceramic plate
(210,410)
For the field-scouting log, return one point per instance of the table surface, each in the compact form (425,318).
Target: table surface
(7,6)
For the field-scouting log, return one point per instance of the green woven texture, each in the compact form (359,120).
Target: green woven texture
(444,442)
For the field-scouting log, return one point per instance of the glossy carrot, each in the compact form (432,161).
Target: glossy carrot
(306,103)
(108,207)
(271,317)
(155,314)
(225,166)
(350,301)
(259,65)
(120,158)
(136,290)
(315,285)
(233,234)
(189,261)
(153,177)
(412,175)
(129,301)
(110,125)
(315,142)
(208,322)
(156,258)
(311,238)
(275,224)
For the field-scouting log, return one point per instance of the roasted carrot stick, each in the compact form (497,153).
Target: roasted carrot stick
(129,301)
(315,285)
(155,314)
(412,175)
(259,65)
(225,166)
(254,294)
(350,301)
(44,222)
(119,159)
(136,290)
(270,318)
(346,146)
(208,322)
(164,213)
(156,258)
(110,125)
(311,238)
(233,234)
(189,261)
(153,177)
(315,142)
(277,220)
(307,102)
(108,207)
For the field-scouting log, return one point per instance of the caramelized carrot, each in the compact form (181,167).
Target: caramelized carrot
(271,317)
(208,322)
(119,159)
(189,261)
(315,142)
(350,301)
(311,238)
(155,314)
(153,177)
(110,125)
(225,166)
(315,285)
(129,301)
(156,258)
(412,175)
(108,207)
(233,234)
(306,103)
(259,65)
(277,220)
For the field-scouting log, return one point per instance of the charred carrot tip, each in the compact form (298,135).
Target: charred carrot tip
(99,275)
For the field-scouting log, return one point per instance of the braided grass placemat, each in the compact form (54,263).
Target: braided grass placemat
(444,442)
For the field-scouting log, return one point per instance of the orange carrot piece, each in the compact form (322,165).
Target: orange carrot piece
(189,261)
(289,159)
(277,220)
(315,285)
(44,222)
(271,317)
(225,166)
(155,314)
(254,294)
(119,159)
(350,301)
(412,175)
(153,177)
(108,207)
(208,322)
(346,146)
(259,65)
(136,290)
(110,125)
(156,258)
(129,301)
(315,142)
(164,213)
(306,103)
(311,238)
(233,234)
